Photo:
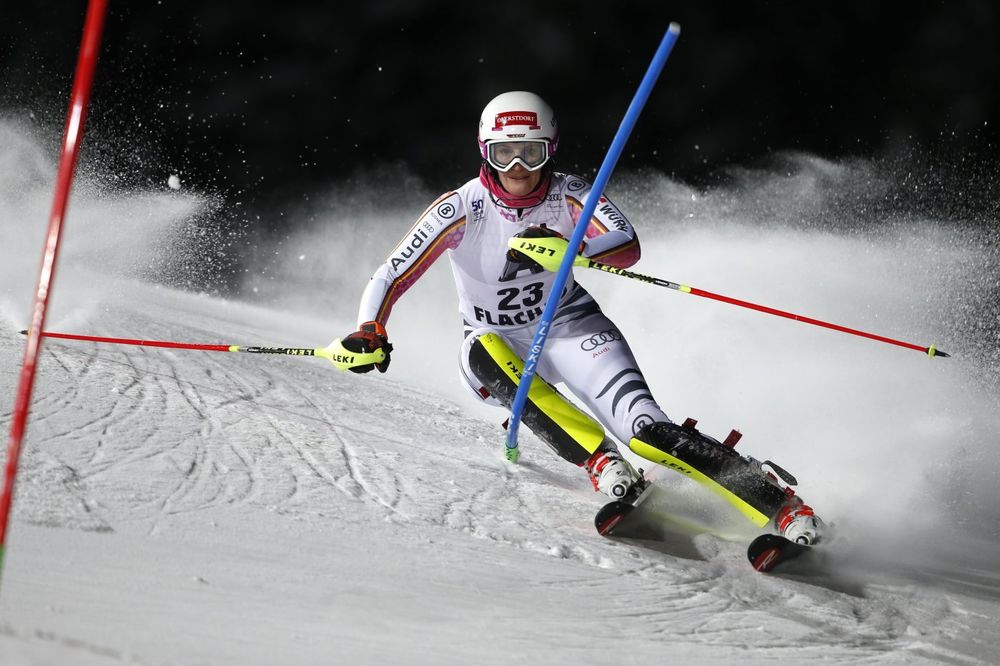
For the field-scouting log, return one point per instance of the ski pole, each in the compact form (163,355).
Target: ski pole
(562,273)
(335,352)
(548,252)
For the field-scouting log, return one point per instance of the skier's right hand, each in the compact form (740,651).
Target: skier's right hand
(370,337)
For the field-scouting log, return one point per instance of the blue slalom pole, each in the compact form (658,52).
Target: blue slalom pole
(603,176)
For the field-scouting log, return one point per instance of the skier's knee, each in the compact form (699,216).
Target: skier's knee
(573,434)
(472,383)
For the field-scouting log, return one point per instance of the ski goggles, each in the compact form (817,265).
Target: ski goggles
(532,155)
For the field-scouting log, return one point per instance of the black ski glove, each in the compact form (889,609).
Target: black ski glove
(370,337)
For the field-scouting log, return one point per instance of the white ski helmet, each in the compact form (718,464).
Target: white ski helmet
(523,118)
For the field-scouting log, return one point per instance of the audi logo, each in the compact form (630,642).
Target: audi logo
(602,338)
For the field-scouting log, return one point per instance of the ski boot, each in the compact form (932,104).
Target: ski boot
(797,522)
(799,529)
(610,473)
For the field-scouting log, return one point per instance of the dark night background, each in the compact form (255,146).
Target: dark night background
(269,101)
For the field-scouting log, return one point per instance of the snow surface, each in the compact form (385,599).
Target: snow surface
(181,507)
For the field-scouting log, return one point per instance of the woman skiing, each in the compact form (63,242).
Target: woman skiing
(502,294)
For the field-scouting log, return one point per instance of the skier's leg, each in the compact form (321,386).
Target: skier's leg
(740,481)
(492,370)
(586,352)
(593,359)
(714,465)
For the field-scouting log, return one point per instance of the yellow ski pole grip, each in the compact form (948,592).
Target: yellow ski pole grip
(344,359)
(546,251)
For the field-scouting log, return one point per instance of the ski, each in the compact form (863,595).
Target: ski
(772,553)
(758,490)
(613,513)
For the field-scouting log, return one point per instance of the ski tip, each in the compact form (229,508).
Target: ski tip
(23,331)
(605,528)
(766,560)
(770,551)
(610,515)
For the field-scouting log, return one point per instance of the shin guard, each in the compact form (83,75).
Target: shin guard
(570,432)
(715,466)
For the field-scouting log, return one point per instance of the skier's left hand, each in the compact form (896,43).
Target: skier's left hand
(370,337)
(530,232)
(550,258)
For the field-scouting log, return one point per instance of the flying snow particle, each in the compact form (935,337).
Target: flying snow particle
(174,182)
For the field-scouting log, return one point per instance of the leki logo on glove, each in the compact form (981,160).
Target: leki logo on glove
(528,118)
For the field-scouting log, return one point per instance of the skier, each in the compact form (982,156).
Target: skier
(502,293)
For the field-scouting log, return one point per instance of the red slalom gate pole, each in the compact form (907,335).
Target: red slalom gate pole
(83,80)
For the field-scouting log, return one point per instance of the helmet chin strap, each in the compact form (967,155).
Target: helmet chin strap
(488,177)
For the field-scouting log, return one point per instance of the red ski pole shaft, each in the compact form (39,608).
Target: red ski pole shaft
(138,343)
(931,350)
(341,357)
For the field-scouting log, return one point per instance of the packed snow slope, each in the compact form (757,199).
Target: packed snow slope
(182,507)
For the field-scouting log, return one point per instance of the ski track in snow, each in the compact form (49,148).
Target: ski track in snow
(128,436)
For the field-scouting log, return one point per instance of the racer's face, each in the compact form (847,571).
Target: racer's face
(519,181)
